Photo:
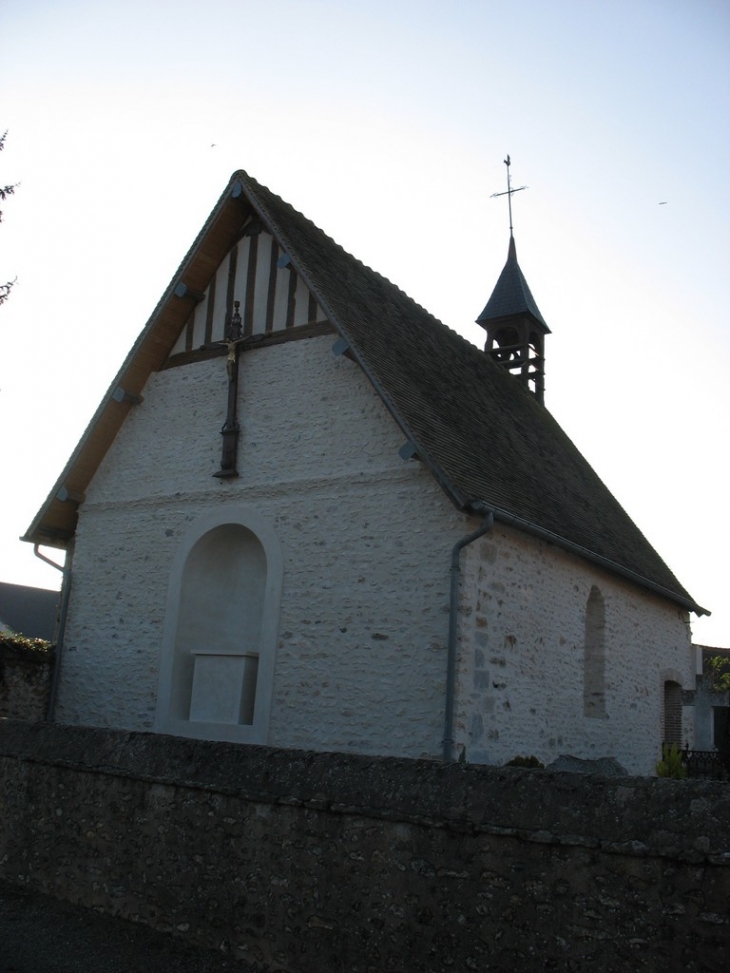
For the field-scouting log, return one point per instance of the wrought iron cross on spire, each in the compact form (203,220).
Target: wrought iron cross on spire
(509,193)
(235,343)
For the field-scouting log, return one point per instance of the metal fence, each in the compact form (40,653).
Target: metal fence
(706,763)
(709,764)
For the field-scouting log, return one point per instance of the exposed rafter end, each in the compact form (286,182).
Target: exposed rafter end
(253,228)
(68,496)
(408,451)
(342,347)
(122,395)
(182,290)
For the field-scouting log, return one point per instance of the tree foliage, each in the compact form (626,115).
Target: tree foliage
(5,191)
(719,669)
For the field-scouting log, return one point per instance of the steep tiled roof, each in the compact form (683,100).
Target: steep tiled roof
(511,294)
(484,437)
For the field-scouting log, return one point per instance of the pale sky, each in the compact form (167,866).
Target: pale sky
(386,123)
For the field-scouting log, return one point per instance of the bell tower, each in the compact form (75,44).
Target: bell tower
(515,328)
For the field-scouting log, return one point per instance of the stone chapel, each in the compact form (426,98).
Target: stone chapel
(307,514)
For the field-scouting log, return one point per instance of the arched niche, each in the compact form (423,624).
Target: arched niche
(221,625)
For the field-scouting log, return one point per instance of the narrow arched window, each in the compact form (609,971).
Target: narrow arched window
(672,712)
(594,657)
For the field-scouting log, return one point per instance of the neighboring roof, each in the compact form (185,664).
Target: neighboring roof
(484,437)
(28,611)
(712,650)
(511,295)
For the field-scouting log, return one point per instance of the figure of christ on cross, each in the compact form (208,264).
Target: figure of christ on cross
(234,343)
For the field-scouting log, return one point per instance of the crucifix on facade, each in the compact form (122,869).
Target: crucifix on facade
(234,342)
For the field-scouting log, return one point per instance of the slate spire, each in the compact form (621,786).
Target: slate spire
(515,328)
(511,295)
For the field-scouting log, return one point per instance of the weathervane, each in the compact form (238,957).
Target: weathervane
(508,194)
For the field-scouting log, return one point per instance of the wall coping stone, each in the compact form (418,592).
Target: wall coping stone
(685,820)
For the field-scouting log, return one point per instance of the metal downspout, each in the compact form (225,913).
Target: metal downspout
(488,523)
(65,595)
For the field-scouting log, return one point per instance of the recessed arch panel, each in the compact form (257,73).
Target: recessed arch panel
(219,643)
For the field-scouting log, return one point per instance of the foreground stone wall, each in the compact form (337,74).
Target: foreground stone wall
(318,862)
(25,681)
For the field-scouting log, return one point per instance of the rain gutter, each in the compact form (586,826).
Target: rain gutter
(511,520)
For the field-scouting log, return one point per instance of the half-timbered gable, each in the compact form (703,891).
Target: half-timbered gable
(261,276)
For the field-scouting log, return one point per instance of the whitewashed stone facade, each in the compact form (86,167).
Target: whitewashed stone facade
(360,646)
(366,541)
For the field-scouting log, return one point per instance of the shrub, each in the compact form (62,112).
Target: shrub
(525,762)
(34,650)
(671,764)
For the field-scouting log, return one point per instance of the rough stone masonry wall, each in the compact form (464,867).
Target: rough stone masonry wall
(522,657)
(366,540)
(305,862)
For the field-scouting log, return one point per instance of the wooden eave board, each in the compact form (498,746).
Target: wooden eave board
(55,523)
